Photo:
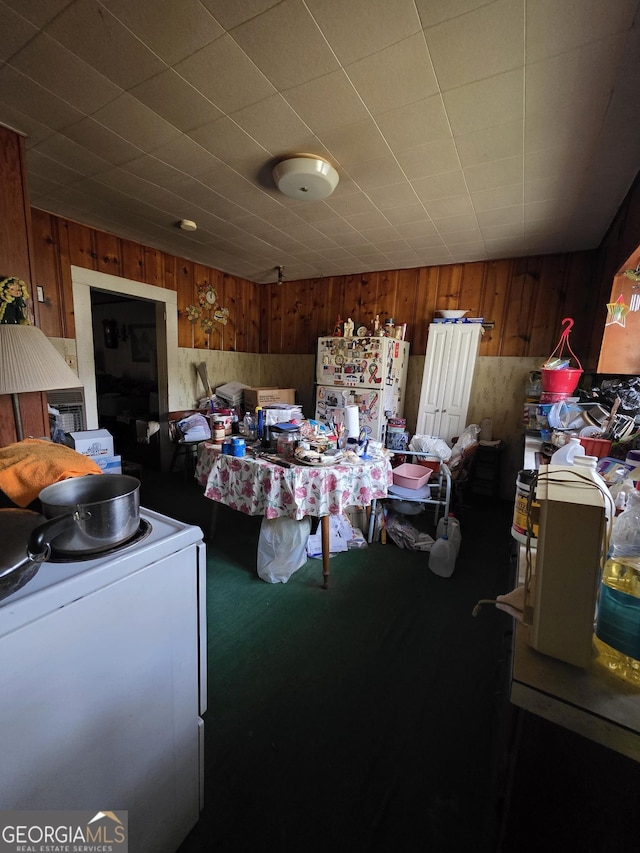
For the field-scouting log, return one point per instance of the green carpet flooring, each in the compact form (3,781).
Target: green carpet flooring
(371,716)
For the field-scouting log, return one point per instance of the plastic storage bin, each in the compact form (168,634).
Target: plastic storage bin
(411,476)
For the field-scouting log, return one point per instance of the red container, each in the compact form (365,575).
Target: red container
(563,381)
(599,447)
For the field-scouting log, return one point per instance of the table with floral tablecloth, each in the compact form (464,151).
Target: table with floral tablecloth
(256,486)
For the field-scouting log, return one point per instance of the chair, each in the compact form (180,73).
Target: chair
(184,450)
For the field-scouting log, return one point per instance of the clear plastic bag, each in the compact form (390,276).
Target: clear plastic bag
(282,547)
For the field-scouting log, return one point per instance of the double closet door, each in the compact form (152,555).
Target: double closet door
(452,349)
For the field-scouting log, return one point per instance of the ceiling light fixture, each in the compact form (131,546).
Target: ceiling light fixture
(305,177)
(280,279)
(187,225)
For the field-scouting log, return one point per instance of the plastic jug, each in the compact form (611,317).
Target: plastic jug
(451,526)
(617,634)
(442,558)
(567,453)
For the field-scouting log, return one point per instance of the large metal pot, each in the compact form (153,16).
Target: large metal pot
(87,515)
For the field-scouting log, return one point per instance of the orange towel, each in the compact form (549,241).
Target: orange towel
(27,466)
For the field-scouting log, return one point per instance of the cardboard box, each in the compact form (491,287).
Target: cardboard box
(267,396)
(92,442)
(109,464)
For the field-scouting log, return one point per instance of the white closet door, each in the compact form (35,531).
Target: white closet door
(448,375)
(433,380)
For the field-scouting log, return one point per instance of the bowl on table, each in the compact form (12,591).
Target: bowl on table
(451,314)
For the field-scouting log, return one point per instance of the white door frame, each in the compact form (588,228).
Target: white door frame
(166,303)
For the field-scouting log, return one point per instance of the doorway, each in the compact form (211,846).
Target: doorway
(126,365)
(160,311)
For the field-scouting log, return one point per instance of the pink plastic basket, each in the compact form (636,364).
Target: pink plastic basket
(411,476)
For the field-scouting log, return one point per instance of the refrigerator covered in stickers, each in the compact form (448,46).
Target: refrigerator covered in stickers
(368,372)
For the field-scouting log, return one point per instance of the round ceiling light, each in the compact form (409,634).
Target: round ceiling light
(187,225)
(305,177)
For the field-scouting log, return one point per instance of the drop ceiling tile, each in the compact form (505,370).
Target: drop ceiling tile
(230,13)
(362,221)
(172,30)
(434,12)
(415,124)
(67,152)
(224,74)
(500,216)
(155,171)
(350,205)
(49,64)
(483,43)
(440,186)
(16,91)
(432,158)
(574,79)
(491,143)
(575,23)
(380,172)
(450,224)
(175,100)
(136,123)
(286,44)
(185,154)
(96,137)
(313,211)
(425,231)
(362,27)
(395,195)
(380,235)
(91,31)
(51,167)
(485,103)
(327,102)
(276,125)
(38,12)
(500,173)
(353,143)
(409,213)
(452,206)
(497,197)
(16,32)
(228,142)
(396,76)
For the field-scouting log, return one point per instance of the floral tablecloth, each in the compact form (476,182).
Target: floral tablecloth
(257,487)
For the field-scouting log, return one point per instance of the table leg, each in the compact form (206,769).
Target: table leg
(326,553)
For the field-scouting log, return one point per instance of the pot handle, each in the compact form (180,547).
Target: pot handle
(39,544)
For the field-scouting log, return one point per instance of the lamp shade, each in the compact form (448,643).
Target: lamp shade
(305,177)
(30,362)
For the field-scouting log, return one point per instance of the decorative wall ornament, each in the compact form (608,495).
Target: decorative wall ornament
(207,310)
(13,301)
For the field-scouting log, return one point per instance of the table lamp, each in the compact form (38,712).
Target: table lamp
(30,362)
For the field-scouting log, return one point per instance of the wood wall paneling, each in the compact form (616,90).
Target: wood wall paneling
(47,273)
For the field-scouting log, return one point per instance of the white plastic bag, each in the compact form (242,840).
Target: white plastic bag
(282,547)
(431,444)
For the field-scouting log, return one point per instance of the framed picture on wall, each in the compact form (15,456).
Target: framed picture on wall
(143,342)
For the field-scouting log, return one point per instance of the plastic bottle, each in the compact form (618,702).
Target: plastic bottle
(453,530)
(442,557)
(617,634)
(566,454)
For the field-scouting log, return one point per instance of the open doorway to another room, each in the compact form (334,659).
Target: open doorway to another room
(150,318)
(126,366)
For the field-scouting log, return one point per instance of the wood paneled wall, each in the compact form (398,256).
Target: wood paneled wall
(526,298)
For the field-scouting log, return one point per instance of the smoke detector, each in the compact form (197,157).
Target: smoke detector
(305,177)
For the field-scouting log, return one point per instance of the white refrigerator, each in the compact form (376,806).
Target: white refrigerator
(368,372)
